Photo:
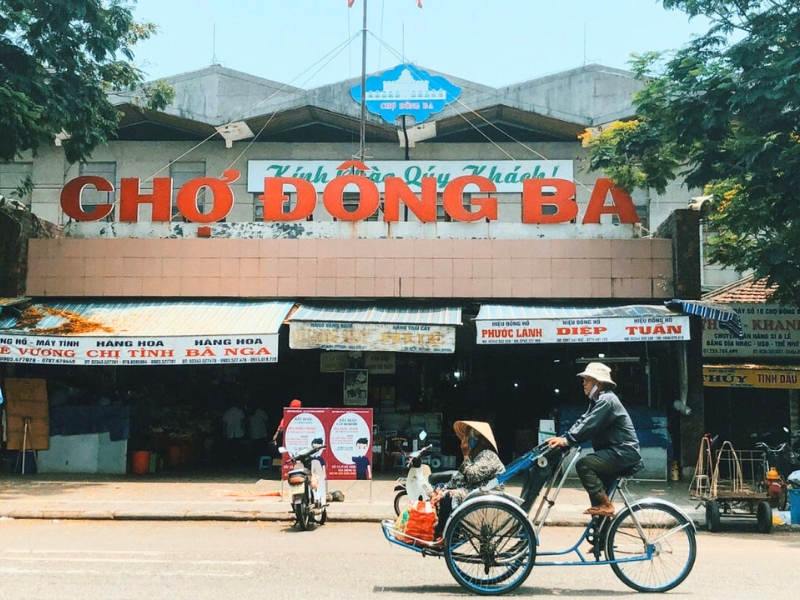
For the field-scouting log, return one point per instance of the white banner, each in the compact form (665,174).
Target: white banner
(769,331)
(123,351)
(580,331)
(507,175)
(305,335)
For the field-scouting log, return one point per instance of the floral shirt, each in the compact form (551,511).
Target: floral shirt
(474,473)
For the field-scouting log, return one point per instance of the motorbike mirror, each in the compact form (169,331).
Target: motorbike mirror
(283,450)
(422,435)
(786,429)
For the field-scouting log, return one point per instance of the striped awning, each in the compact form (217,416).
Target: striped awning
(374,328)
(727,317)
(536,324)
(135,333)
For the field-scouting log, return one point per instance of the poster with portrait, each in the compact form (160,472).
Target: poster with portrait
(356,387)
(346,434)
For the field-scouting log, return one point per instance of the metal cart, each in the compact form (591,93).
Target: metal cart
(732,483)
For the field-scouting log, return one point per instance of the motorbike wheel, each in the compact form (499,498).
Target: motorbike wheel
(712,516)
(323,516)
(400,502)
(783,499)
(302,512)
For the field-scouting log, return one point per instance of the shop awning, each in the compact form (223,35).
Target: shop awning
(534,324)
(374,328)
(142,333)
(724,314)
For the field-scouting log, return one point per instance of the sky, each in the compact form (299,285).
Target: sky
(304,43)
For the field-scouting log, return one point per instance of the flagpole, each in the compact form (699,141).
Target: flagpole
(363,131)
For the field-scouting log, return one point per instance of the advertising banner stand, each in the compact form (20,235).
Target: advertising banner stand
(346,434)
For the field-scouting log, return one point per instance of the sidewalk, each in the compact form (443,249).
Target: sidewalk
(247,496)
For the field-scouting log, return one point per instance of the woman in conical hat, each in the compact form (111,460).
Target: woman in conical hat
(481,465)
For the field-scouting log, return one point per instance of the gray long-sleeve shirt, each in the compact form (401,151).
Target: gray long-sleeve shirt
(608,425)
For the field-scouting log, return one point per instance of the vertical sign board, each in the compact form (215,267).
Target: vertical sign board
(26,400)
(346,433)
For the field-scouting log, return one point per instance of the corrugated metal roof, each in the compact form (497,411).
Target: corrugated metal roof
(372,314)
(722,313)
(501,312)
(143,319)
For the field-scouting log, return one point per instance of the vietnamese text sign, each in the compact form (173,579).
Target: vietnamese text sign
(574,331)
(305,335)
(769,330)
(507,175)
(120,351)
(786,379)
(346,434)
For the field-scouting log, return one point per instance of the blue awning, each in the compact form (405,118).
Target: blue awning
(372,314)
(727,317)
(495,312)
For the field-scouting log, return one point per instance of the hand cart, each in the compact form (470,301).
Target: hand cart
(732,483)
(491,541)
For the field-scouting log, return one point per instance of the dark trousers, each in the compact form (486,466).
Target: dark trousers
(597,473)
(445,508)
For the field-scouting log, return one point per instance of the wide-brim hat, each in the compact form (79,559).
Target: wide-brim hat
(483,429)
(598,372)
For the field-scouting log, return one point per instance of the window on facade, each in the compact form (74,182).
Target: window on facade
(258,206)
(351,200)
(642,211)
(442,216)
(181,172)
(91,198)
(13,176)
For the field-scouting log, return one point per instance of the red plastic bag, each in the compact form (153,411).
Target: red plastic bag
(421,522)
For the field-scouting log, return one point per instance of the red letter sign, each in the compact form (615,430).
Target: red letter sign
(71,198)
(622,207)
(533,201)
(453,199)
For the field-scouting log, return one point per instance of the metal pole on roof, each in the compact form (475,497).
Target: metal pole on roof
(363,132)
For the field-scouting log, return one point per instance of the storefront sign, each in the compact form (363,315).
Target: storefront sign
(346,434)
(580,331)
(732,377)
(769,331)
(377,363)
(506,175)
(124,351)
(546,189)
(386,337)
(406,90)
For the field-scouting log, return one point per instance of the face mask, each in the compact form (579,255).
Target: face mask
(472,443)
(592,391)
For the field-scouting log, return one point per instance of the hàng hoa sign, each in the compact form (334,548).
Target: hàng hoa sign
(545,198)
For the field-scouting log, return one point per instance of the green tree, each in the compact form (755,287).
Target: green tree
(58,61)
(724,113)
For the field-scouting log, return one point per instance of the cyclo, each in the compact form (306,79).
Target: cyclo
(491,540)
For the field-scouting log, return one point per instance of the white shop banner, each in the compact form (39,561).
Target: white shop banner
(184,350)
(384,337)
(507,175)
(581,331)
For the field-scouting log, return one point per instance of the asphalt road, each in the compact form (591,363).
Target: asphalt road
(147,560)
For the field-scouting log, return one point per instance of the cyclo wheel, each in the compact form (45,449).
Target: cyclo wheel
(302,513)
(661,557)
(490,547)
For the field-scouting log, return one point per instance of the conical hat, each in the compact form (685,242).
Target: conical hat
(484,429)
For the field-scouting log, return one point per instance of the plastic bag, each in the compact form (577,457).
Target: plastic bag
(402,520)
(421,522)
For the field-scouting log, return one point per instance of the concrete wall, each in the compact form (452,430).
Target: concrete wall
(579,269)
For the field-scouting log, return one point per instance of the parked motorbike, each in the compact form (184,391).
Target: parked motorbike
(783,460)
(418,484)
(307,486)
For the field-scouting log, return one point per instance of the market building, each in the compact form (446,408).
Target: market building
(238,248)
(751,382)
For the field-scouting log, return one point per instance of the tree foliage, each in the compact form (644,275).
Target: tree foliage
(58,61)
(724,113)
